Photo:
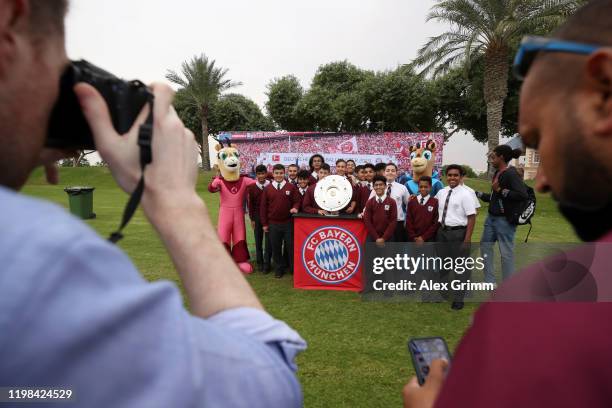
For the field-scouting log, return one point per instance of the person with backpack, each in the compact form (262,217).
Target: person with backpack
(506,204)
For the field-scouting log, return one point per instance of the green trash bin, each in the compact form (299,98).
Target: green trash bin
(81,201)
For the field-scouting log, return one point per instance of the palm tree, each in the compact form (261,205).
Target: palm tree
(488,29)
(201,84)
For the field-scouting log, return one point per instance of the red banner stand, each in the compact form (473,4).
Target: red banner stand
(328,252)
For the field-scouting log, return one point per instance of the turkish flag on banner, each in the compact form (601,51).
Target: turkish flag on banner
(348,146)
(328,252)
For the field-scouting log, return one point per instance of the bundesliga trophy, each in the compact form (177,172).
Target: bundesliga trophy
(333,193)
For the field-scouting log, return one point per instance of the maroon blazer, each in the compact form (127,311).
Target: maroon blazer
(422,220)
(275,205)
(380,218)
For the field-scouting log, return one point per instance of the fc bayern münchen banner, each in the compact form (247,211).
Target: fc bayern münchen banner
(262,147)
(328,253)
(301,159)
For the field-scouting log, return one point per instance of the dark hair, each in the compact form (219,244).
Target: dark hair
(391,164)
(457,167)
(293,165)
(426,179)
(325,166)
(278,166)
(47,16)
(507,153)
(358,168)
(369,166)
(261,169)
(380,166)
(303,174)
(312,158)
(350,161)
(379,178)
(590,24)
(340,161)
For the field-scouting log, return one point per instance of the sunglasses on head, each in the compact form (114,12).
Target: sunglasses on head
(531,46)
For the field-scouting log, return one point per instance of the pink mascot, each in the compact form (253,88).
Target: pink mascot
(233,187)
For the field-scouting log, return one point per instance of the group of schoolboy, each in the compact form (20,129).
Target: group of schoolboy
(389,212)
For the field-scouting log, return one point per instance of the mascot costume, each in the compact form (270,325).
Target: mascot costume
(233,188)
(422,159)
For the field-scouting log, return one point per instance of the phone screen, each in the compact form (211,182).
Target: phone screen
(424,351)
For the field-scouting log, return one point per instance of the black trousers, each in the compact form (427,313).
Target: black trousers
(450,245)
(400,234)
(262,244)
(281,240)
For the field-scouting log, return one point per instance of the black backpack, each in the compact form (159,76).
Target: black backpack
(525,211)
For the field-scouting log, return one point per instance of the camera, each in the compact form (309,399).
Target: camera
(68,128)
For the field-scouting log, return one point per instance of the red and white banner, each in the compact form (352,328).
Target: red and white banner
(285,147)
(328,253)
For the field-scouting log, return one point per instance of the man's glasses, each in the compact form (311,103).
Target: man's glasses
(531,46)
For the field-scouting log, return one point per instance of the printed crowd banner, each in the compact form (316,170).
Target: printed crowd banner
(264,147)
(271,158)
(328,253)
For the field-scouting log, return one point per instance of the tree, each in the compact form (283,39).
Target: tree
(237,112)
(399,100)
(458,99)
(283,96)
(202,83)
(491,29)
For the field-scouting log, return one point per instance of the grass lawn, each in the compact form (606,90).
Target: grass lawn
(357,354)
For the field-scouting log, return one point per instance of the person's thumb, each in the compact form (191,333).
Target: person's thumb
(437,374)
(96,112)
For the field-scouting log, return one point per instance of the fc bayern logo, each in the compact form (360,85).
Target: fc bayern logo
(331,254)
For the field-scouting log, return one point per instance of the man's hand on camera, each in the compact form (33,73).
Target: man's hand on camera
(172,174)
(416,396)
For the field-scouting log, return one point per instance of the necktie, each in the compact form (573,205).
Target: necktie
(369,186)
(379,200)
(389,190)
(446,207)
(278,185)
(422,200)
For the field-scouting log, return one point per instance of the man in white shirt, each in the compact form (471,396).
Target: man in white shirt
(457,216)
(400,194)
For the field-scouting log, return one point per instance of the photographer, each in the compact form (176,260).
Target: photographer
(74,311)
(507,193)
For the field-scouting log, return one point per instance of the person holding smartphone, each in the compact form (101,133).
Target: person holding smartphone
(550,353)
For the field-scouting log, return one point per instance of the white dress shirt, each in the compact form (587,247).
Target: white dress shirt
(476,200)
(262,186)
(275,184)
(460,206)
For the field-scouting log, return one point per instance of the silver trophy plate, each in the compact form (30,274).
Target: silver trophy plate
(333,193)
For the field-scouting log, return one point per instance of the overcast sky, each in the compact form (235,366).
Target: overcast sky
(257,40)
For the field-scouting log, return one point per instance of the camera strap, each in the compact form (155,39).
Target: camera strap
(145,138)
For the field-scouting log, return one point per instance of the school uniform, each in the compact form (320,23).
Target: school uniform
(400,194)
(302,192)
(262,239)
(276,202)
(314,177)
(454,207)
(309,205)
(365,188)
(422,218)
(293,181)
(380,218)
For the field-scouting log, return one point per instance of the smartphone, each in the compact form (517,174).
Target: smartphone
(423,351)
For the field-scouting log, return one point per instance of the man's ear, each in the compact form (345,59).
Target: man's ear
(14,15)
(599,70)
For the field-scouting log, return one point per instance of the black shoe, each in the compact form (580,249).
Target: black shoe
(266,269)
(278,274)
(457,305)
